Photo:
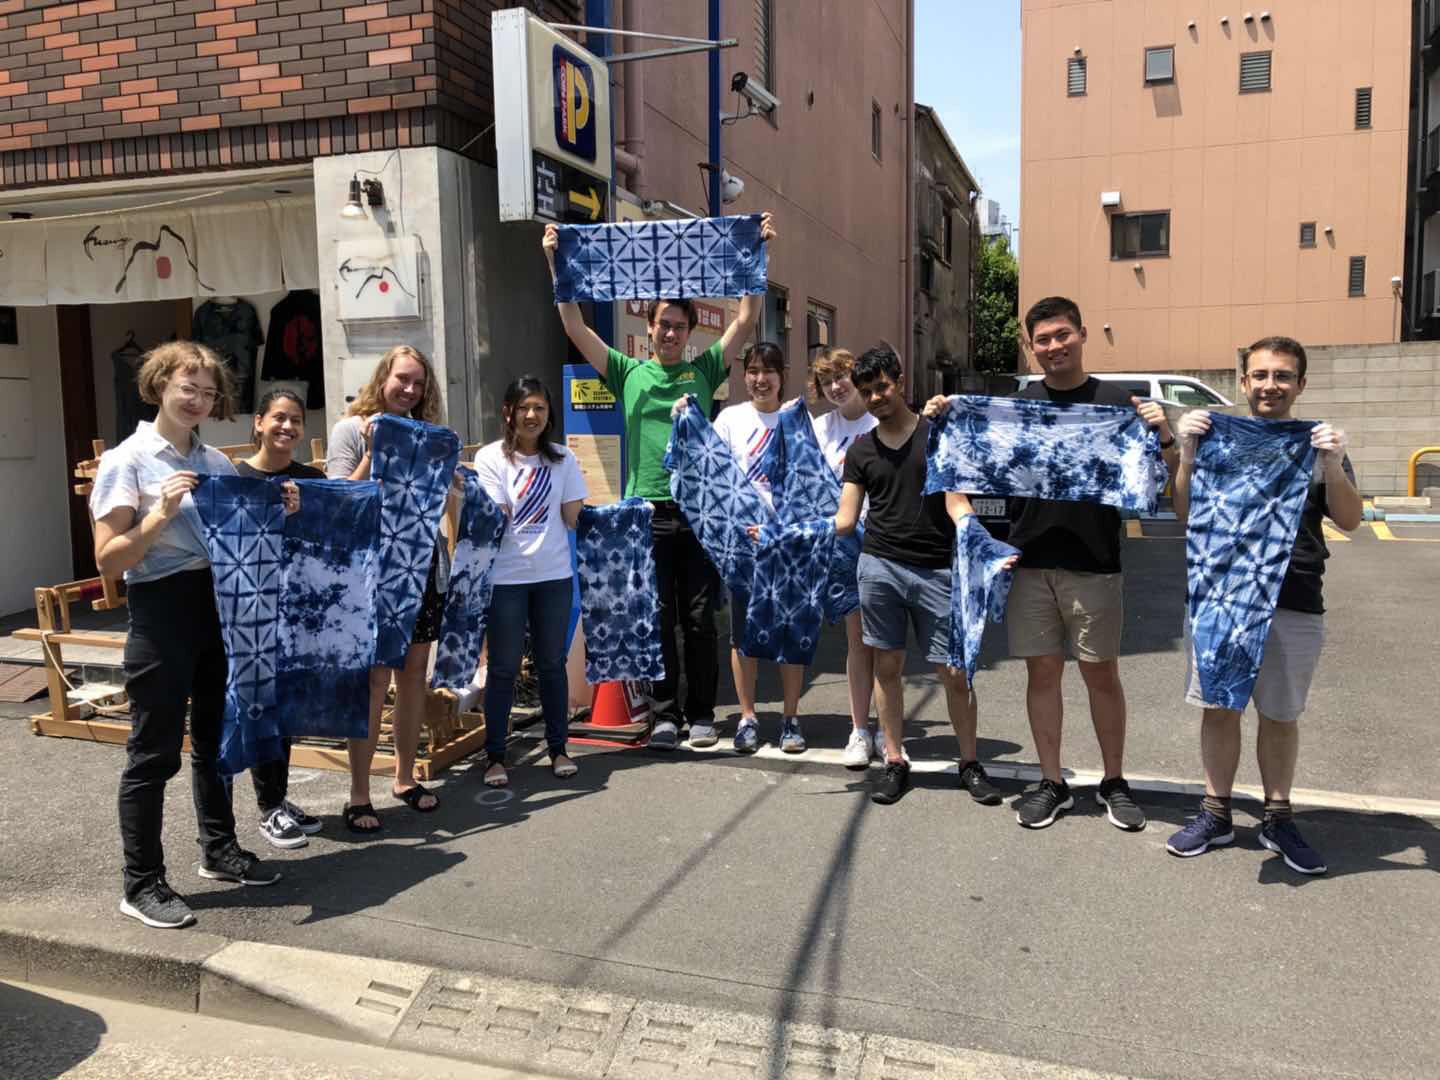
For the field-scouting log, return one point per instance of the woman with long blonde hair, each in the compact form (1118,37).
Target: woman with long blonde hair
(403,384)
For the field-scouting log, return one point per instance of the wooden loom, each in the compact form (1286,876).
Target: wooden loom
(446,733)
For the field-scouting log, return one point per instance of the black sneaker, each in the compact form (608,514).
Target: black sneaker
(974,780)
(159,906)
(281,830)
(237,865)
(893,783)
(309,824)
(1041,805)
(1120,808)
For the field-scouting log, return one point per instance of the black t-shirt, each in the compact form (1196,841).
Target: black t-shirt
(294,471)
(1301,589)
(1055,534)
(294,350)
(903,525)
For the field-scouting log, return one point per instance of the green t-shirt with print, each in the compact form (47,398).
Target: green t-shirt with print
(648,390)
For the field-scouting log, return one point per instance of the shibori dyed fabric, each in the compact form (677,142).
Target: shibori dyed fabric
(296,598)
(660,260)
(712,492)
(787,595)
(467,601)
(1247,494)
(1045,450)
(619,599)
(979,590)
(805,488)
(414,463)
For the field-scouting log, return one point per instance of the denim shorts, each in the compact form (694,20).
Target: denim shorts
(896,595)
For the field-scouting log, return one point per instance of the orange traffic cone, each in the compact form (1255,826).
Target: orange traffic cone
(619,716)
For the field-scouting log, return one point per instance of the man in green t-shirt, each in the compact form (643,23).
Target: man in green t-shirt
(648,389)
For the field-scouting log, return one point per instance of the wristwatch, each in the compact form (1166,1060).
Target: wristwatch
(1165,444)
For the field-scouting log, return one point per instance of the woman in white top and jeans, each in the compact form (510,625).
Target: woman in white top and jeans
(541,489)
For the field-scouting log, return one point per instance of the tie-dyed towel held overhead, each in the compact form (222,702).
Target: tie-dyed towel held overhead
(1247,494)
(1045,450)
(297,604)
(619,600)
(979,589)
(660,260)
(467,600)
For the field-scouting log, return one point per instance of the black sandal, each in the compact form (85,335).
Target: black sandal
(356,812)
(412,797)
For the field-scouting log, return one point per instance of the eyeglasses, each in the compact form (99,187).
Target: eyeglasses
(673,327)
(190,392)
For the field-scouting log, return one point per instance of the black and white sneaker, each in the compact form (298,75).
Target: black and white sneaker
(237,865)
(281,830)
(1120,808)
(974,780)
(159,906)
(309,824)
(1042,804)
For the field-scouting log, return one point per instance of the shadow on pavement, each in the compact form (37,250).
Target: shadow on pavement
(42,1037)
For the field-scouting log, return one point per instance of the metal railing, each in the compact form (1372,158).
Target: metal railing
(1415,465)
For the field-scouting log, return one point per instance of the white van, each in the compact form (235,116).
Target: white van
(1176,389)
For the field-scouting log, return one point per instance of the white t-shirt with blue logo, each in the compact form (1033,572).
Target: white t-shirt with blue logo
(748,431)
(532,490)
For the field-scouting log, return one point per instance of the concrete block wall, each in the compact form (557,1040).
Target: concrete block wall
(1386,397)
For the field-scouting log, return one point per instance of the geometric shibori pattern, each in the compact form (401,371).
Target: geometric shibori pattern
(805,488)
(787,593)
(713,494)
(243,519)
(467,600)
(979,589)
(413,462)
(1247,494)
(1045,450)
(619,601)
(660,260)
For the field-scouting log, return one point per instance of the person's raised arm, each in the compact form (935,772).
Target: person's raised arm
(852,501)
(1343,504)
(592,348)
(1192,428)
(739,331)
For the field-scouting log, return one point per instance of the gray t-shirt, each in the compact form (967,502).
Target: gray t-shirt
(347,447)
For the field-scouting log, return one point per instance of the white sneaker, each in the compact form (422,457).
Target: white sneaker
(858,749)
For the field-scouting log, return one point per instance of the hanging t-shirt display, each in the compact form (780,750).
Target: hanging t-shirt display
(232,329)
(293,349)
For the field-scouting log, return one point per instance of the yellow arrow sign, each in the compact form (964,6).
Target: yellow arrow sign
(590,202)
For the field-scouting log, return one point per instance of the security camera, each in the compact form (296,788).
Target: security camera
(731,187)
(756,94)
(1396,282)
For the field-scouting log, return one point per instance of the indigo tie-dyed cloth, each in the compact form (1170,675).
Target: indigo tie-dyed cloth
(805,488)
(1247,494)
(297,603)
(1045,450)
(713,494)
(787,595)
(979,589)
(660,260)
(414,463)
(467,600)
(619,600)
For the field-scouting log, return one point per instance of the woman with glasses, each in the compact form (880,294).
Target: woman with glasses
(148,529)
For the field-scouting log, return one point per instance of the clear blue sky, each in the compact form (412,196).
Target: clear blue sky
(967,67)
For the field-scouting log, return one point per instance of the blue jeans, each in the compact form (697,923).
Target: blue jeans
(545,607)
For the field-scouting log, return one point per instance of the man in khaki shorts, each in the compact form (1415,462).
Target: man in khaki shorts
(1068,587)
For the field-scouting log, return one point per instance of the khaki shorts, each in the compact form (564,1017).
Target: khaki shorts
(1050,607)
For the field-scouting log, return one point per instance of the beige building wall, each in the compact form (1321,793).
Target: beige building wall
(1238,173)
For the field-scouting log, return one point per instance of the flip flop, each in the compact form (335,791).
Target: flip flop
(356,812)
(412,796)
(500,779)
(564,767)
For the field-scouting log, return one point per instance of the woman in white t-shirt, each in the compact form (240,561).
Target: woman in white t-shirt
(837,431)
(540,487)
(748,428)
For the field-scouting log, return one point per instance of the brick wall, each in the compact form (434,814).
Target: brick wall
(100,88)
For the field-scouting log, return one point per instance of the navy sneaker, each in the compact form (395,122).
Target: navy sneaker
(1284,838)
(792,739)
(664,735)
(747,736)
(1204,832)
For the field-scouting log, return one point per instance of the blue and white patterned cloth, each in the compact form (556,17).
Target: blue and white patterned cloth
(787,595)
(660,260)
(714,495)
(1247,494)
(619,599)
(979,589)
(805,488)
(1045,450)
(414,463)
(467,600)
(297,604)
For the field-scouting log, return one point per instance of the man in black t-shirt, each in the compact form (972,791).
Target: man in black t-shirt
(904,571)
(1274,376)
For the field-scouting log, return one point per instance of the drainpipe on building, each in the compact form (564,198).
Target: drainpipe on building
(1422,109)
(597,14)
(631,159)
(713,97)
(907,302)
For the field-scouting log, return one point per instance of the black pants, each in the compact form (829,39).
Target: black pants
(272,782)
(174,652)
(689,592)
